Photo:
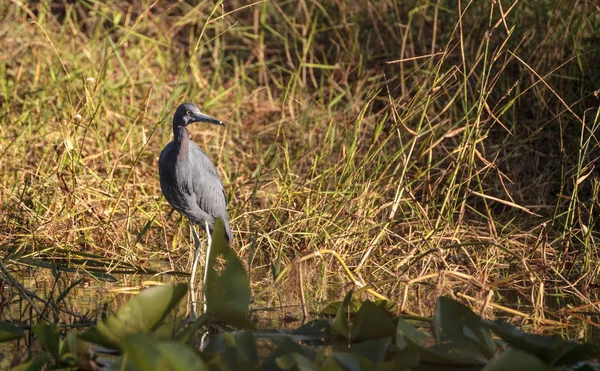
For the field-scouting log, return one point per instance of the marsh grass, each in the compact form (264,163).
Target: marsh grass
(428,147)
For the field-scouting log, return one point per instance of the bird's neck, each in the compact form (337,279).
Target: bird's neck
(182,139)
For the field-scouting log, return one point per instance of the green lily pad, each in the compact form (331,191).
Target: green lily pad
(406,332)
(354,306)
(227,283)
(294,361)
(148,354)
(76,352)
(49,338)
(371,322)
(448,355)
(36,363)
(340,324)
(242,344)
(400,359)
(455,323)
(514,359)
(552,350)
(8,332)
(142,313)
(284,347)
(354,362)
(372,349)
(317,328)
(332,308)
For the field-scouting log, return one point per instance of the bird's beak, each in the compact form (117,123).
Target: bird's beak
(205,118)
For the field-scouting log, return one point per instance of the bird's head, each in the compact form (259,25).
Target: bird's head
(188,113)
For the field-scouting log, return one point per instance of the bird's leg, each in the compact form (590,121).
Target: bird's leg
(209,243)
(194,268)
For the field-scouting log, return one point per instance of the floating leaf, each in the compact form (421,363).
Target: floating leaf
(227,284)
(552,350)
(36,363)
(340,325)
(76,352)
(242,344)
(570,353)
(149,354)
(482,340)
(403,359)
(354,306)
(332,308)
(449,319)
(185,334)
(353,362)
(371,322)
(49,337)
(284,346)
(245,344)
(317,329)
(372,349)
(8,332)
(330,364)
(140,314)
(455,323)
(516,360)
(405,331)
(388,305)
(448,354)
(294,361)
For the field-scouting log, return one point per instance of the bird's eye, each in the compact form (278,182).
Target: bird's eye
(187,112)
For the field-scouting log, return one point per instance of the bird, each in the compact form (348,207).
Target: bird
(191,184)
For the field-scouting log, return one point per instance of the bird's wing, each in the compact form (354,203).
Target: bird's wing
(206,184)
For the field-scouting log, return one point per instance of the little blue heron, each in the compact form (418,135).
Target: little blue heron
(189,181)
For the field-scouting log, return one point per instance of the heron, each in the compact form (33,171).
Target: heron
(190,183)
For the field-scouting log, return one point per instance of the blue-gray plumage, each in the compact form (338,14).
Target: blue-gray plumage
(190,182)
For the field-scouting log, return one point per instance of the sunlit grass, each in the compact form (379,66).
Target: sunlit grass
(403,139)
